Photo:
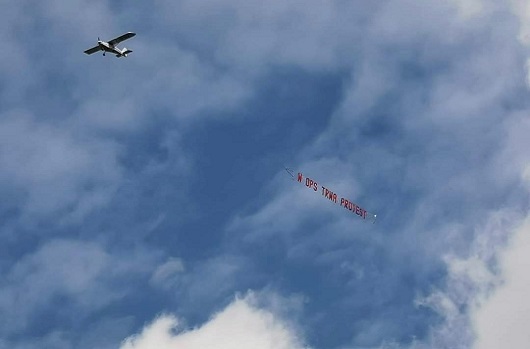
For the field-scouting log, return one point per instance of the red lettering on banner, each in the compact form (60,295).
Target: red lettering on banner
(311,184)
(330,195)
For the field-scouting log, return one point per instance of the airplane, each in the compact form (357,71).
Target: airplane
(111,46)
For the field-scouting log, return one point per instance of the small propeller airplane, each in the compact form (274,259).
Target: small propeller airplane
(111,46)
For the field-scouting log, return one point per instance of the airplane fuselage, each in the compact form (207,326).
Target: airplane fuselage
(106,47)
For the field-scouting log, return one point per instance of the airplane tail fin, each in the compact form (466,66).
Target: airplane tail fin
(126,51)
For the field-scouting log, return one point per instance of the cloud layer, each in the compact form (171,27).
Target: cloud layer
(155,184)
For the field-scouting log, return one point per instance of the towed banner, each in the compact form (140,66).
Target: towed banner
(332,196)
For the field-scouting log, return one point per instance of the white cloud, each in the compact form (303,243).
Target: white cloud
(469,8)
(502,320)
(81,273)
(60,267)
(251,37)
(521,8)
(500,317)
(241,325)
(481,305)
(53,170)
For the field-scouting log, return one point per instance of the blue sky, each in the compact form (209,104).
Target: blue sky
(145,202)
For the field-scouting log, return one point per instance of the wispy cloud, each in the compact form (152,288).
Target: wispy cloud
(82,275)
(52,171)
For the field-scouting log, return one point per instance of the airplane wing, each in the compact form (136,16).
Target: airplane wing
(121,38)
(92,50)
